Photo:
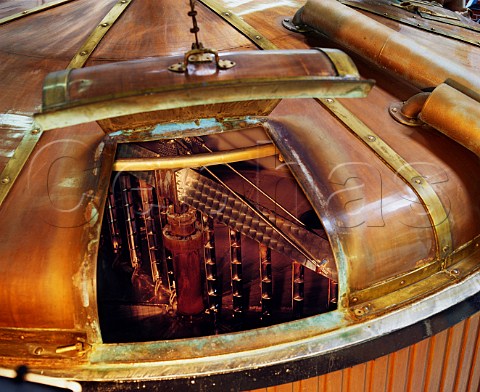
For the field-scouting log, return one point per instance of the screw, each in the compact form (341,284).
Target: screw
(286,20)
(329,100)
(104,25)
(417,180)
(35,131)
(258,37)
(358,312)
(38,351)
(445,248)
(25,12)
(354,299)
(371,138)
(394,110)
(5,180)
(83,53)
(227,14)
(402,282)
(455,271)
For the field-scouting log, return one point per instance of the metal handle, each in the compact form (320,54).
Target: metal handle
(201,56)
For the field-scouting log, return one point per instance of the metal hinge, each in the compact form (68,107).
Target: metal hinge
(79,348)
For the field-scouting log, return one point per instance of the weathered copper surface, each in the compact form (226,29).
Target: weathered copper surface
(388,255)
(386,47)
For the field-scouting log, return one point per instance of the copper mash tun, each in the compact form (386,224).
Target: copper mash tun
(239,195)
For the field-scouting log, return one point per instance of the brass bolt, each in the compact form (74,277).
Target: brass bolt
(38,351)
(5,180)
(417,180)
(402,282)
(123,2)
(258,37)
(227,14)
(354,299)
(358,312)
(371,138)
(286,20)
(329,100)
(104,24)
(455,271)
(394,110)
(83,53)
(385,14)
(433,29)
(445,248)
(25,12)
(35,131)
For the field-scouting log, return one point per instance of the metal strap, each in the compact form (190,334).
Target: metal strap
(17,161)
(409,22)
(239,24)
(98,33)
(436,211)
(34,10)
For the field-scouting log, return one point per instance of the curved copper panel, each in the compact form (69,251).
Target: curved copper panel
(364,206)
(51,210)
(447,166)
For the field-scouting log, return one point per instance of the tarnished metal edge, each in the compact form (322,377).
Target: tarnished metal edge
(239,24)
(17,161)
(352,86)
(419,283)
(104,159)
(341,62)
(200,127)
(417,25)
(98,33)
(450,22)
(191,95)
(436,211)
(55,88)
(317,337)
(34,10)
(403,281)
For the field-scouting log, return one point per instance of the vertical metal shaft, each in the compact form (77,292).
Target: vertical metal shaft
(236,268)
(298,284)
(213,288)
(332,294)
(113,225)
(146,196)
(165,187)
(266,280)
(195,29)
(130,223)
(184,238)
